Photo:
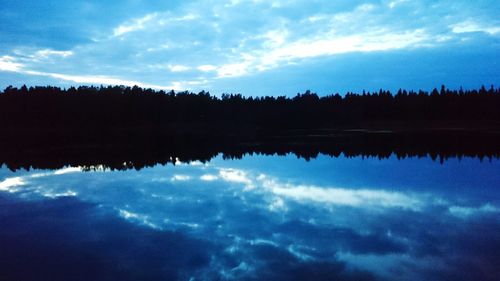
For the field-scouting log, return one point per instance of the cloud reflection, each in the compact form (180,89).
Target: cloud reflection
(466,212)
(273,225)
(363,198)
(10,184)
(235,176)
(208,177)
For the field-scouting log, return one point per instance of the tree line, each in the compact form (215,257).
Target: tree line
(119,108)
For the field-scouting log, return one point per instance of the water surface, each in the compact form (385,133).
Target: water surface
(258,218)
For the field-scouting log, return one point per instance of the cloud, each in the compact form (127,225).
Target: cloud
(278,204)
(88,79)
(472,26)
(208,177)
(8,63)
(326,195)
(68,193)
(178,68)
(45,53)
(466,212)
(141,219)
(233,69)
(9,184)
(360,198)
(347,197)
(134,25)
(235,176)
(24,61)
(207,68)
(152,20)
(179,177)
(12,184)
(68,170)
(372,41)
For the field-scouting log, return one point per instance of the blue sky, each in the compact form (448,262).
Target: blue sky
(254,47)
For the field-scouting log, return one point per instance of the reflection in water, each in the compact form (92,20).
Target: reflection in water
(47,151)
(260,218)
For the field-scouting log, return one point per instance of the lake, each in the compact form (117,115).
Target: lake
(255,218)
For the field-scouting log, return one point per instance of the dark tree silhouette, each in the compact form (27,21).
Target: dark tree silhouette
(116,124)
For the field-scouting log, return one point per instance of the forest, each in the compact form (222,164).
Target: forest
(131,127)
(133,108)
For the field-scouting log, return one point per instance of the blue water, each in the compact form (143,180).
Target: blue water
(258,218)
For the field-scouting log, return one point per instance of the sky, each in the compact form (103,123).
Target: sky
(253,47)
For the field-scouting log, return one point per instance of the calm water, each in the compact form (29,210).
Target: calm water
(259,218)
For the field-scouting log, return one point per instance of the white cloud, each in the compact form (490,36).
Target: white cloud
(236,176)
(275,37)
(45,53)
(278,204)
(180,178)
(344,196)
(8,63)
(325,45)
(101,79)
(178,68)
(21,65)
(150,20)
(208,177)
(284,42)
(464,212)
(9,184)
(187,17)
(316,18)
(360,198)
(207,68)
(132,216)
(473,26)
(67,170)
(126,214)
(40,55)
(380,40)
(233,69)
(51,194)
(134,25)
